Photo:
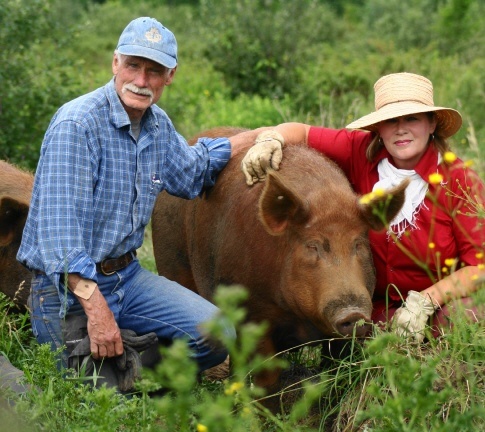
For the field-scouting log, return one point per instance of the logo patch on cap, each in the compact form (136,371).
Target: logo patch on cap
(153,35)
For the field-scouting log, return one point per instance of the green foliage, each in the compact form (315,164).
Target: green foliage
(407,22)
(231,406)
(145,253)
(247,63)
(36,75)
(459,29)
(213,109)
(388,383)
(405,386)
(414,390)
(14,331)
(60,401)
(261,45)
(401,387)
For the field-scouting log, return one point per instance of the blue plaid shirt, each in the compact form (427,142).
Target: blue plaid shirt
(95,185)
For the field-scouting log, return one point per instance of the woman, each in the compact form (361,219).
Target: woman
(432,252)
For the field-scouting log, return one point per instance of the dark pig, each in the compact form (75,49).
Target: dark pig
(297,242)
(15,193)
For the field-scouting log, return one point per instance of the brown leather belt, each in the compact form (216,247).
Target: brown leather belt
(111,265)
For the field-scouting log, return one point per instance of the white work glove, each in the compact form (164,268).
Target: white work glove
(266,152)
(411,318)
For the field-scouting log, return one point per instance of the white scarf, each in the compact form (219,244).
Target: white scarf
(389,177)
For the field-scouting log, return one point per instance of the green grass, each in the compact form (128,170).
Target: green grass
(387,384)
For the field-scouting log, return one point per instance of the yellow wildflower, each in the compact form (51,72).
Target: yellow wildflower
(367,198)
(435,178)
(449,157)
(202,428)
(234,388)
(378,192)
(449,262)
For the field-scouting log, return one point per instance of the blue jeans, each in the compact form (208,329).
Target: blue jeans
(140,301)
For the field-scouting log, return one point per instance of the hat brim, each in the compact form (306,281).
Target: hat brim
(148,53)
(449,120)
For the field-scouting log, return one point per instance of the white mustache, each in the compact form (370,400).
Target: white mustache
(135,89)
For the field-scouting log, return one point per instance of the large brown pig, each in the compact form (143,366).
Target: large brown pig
(298,242)
(15,193)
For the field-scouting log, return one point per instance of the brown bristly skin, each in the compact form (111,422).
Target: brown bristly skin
(297,241)
(15,193)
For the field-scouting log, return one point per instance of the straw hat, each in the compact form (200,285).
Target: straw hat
(402,94)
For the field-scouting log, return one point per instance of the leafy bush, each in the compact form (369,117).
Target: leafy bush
(246,63)
(36,74)
(261,45)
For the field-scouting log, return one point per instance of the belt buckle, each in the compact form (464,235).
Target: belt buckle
(106,273)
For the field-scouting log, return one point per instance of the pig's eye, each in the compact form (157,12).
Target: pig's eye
(316,249)
(313,246)
(361,246)
(312,253)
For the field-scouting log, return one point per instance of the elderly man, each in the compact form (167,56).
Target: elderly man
(104,159)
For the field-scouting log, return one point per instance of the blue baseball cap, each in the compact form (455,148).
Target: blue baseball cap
(146,37)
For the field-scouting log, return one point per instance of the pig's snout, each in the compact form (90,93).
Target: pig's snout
(346,323)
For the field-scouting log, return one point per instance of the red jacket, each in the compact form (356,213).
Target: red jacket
(446,220)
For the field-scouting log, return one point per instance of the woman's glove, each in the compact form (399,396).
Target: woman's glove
(411,318)
(266,152)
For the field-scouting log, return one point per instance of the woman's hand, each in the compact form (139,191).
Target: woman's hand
(411,318)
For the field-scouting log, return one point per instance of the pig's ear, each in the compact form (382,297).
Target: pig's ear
(379,210)
(279,205)
(13,214)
